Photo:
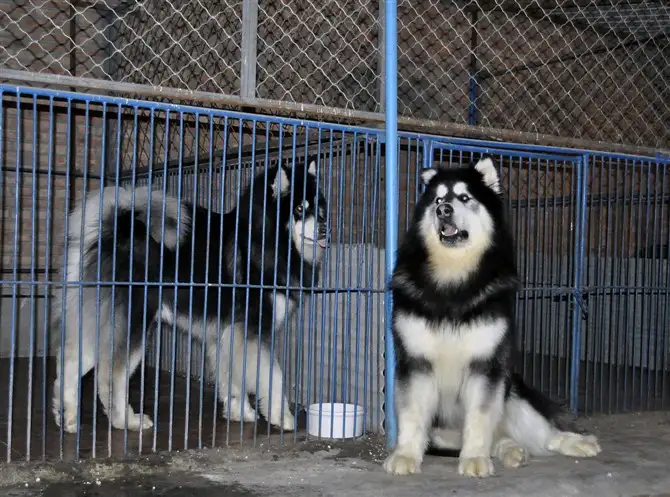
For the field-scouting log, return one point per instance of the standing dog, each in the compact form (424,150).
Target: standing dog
(141,236)
(454,289)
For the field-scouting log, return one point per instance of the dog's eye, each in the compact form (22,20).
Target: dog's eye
(438,200)
(463,198)
(298,210)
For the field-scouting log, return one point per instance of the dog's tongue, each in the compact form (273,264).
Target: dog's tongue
(322,242)
(449,230)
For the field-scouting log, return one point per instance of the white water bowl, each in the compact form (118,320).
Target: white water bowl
(340,415)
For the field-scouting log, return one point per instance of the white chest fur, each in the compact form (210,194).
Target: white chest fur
(450,349)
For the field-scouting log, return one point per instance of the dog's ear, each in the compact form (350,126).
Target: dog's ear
(427,175)
(280,183)
(489,172)
(312,168)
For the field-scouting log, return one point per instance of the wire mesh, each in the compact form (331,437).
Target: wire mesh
(587,68)
(583,69)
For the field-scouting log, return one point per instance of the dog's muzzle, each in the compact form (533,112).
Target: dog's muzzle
(322,235)
(446,226)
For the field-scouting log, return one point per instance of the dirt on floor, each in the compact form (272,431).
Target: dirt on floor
(635,462)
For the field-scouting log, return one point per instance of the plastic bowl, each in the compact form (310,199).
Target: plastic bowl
(337,414)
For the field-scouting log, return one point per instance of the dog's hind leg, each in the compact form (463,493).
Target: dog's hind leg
(113,364)
(122,413)
(540,435)
(448,442)
(509,452)
(69,370)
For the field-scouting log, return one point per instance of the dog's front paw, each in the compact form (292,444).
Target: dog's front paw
(239,410)
(288,423)
(477,467)
(70,421)
(401,464)
(135,422)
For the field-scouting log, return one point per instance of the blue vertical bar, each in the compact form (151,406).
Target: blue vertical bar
(247,281)
(339,255)
(192,281)
(129,322)
(47,267)
(17,192)
(374,263)
(113,287)
(391,104)
(33,282)
(173,348)
(161,261)
(265,166)
(103,161)
(222,198)
(203,358)
(145,323)
(580,234)
(80,290)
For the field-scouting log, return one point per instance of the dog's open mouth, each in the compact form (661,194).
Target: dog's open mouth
(320,237)
(449,233)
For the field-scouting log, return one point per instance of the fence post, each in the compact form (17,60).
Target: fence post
(578,308)
(391,116)
(472,84)
(381,59)
(249,35)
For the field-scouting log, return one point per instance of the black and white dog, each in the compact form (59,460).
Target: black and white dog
(145,237)
(454,289)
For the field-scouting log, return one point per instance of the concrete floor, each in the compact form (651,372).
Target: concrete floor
(635,462)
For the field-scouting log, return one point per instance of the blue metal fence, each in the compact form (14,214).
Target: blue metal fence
(591,229)
(331,351)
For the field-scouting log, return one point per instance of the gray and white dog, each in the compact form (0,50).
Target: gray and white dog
(454,288)
(167,244)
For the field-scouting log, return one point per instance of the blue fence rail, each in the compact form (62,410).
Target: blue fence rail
(591,230)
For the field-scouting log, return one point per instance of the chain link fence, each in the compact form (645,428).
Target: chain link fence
(588,69)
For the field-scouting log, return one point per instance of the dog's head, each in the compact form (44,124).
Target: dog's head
(304,209)
(458,215)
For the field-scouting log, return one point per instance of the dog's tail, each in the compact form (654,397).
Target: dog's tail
(112,226)
(119,223)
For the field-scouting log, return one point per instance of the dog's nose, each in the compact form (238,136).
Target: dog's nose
(444,211)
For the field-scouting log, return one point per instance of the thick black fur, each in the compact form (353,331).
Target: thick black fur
(215,251)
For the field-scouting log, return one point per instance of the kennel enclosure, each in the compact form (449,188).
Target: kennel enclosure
(570,99)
